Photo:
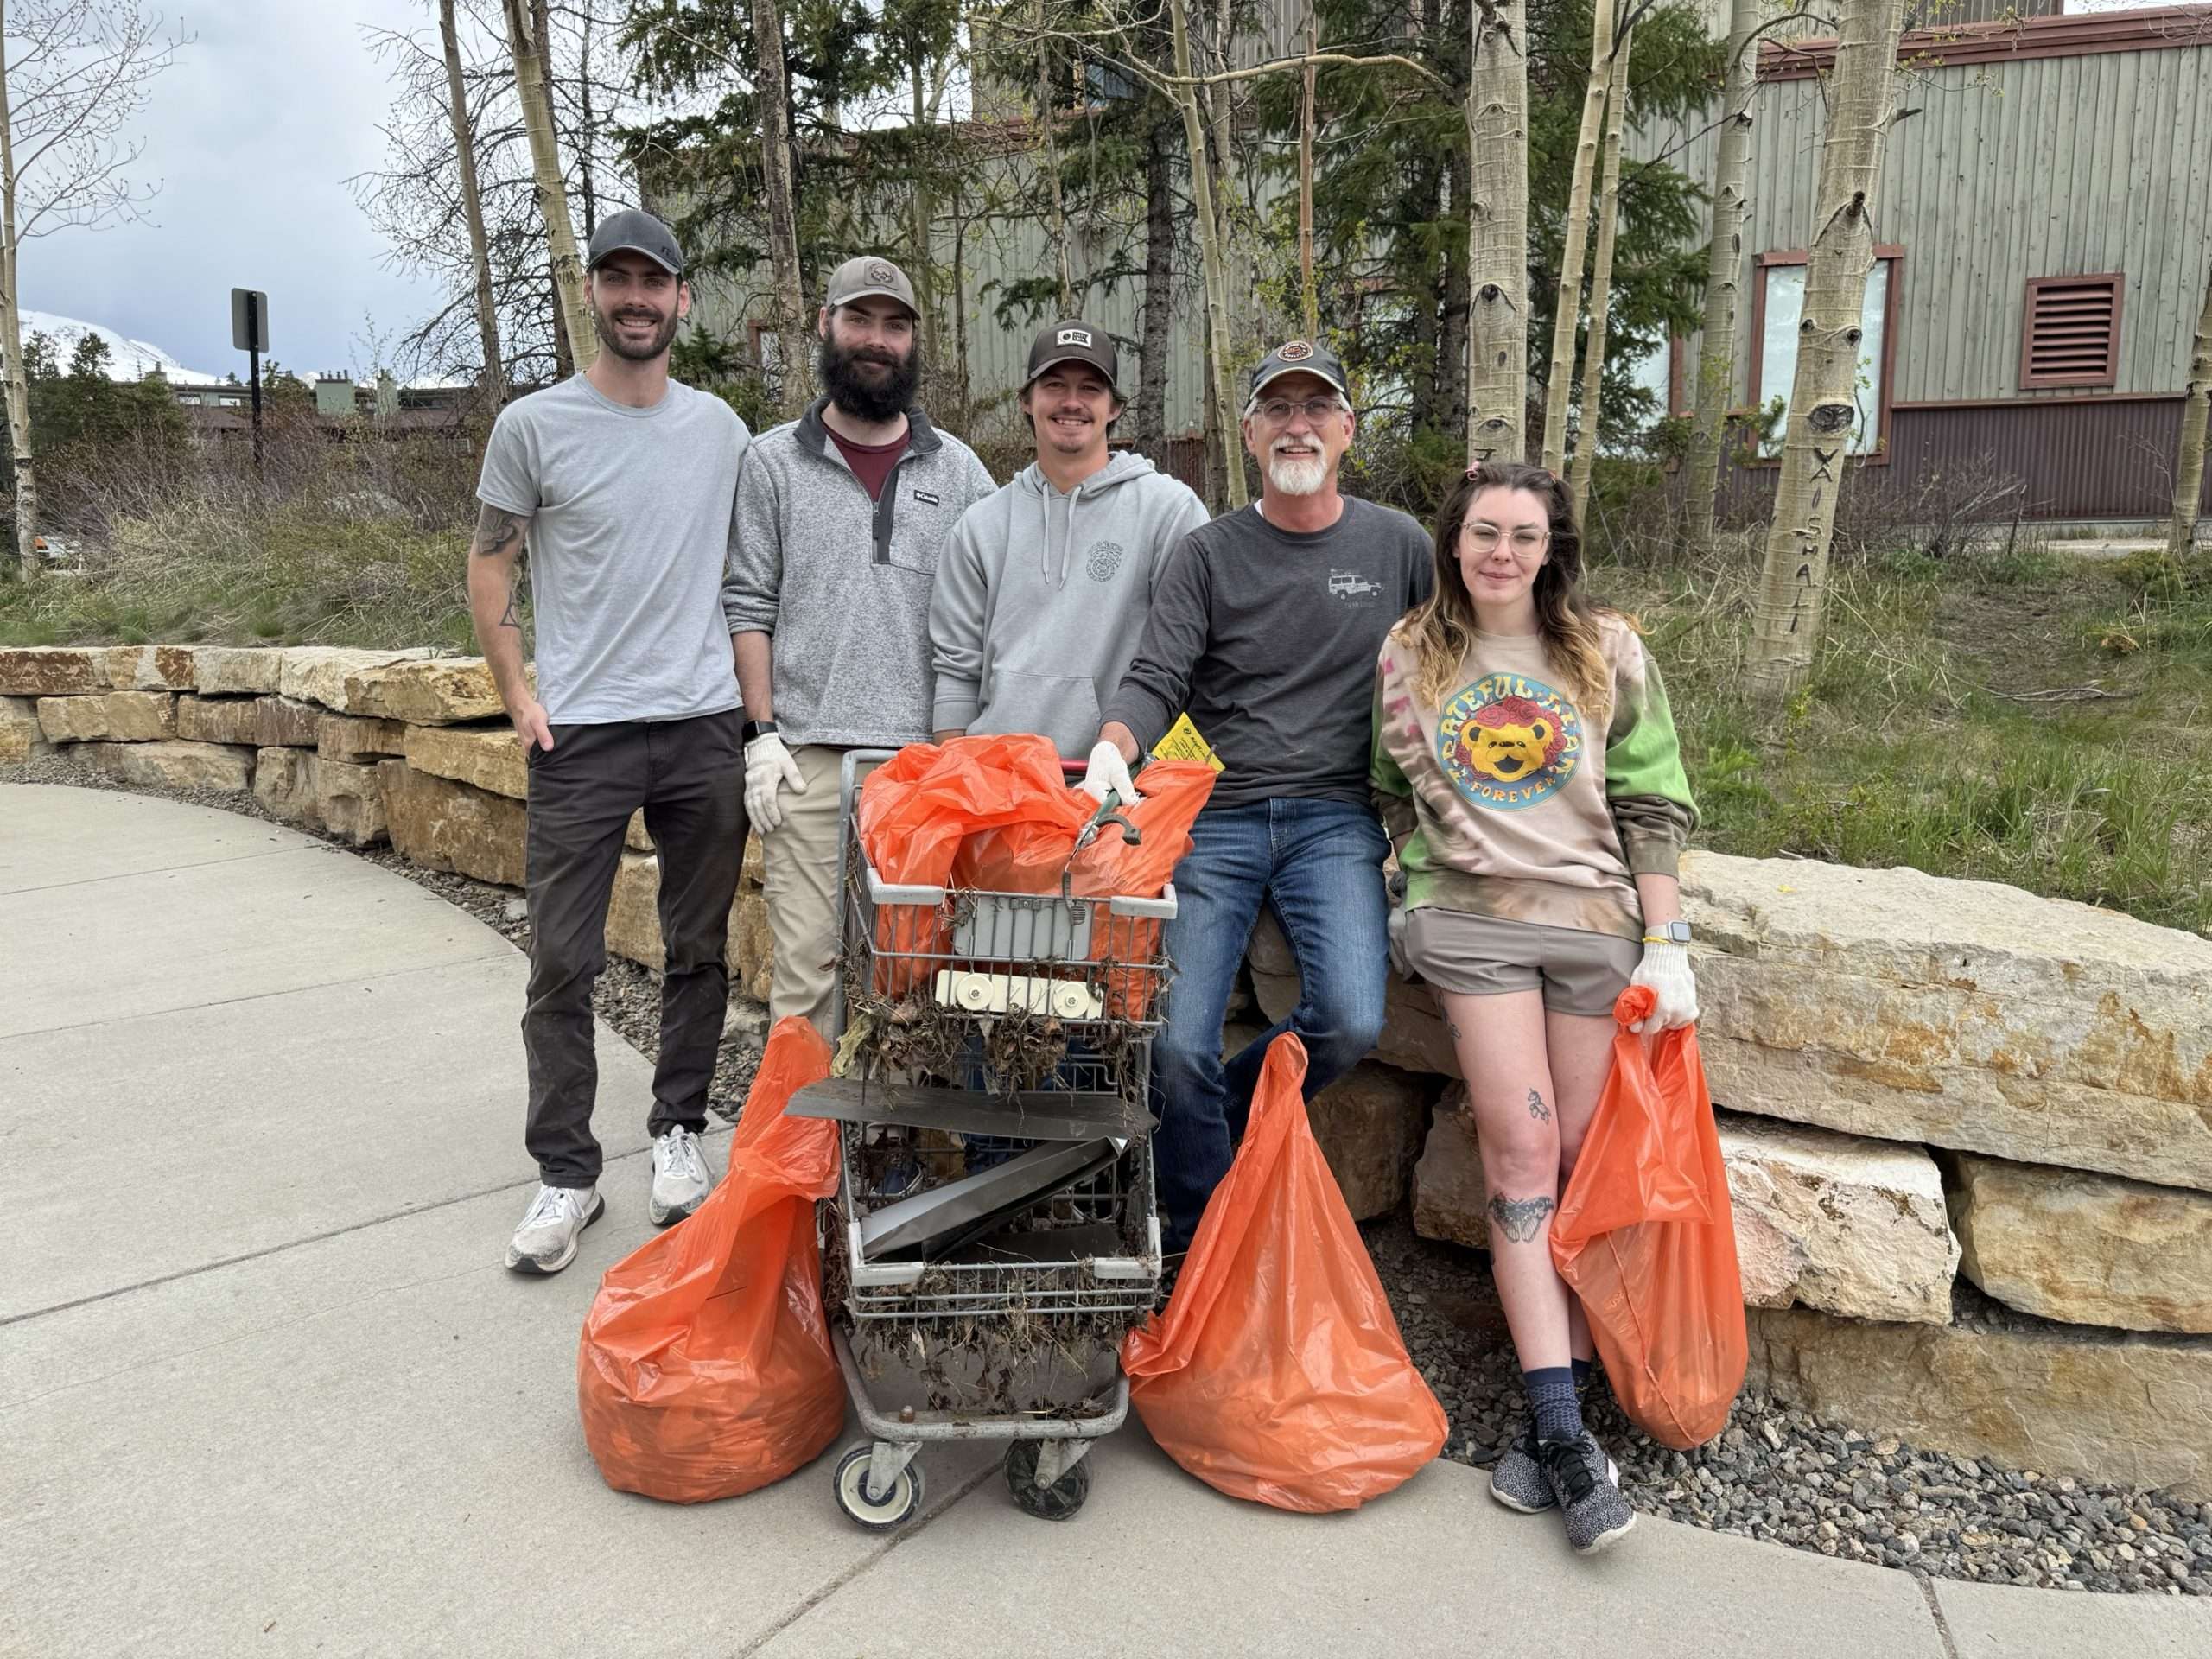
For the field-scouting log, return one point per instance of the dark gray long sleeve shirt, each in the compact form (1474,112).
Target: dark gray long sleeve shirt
(1269,640)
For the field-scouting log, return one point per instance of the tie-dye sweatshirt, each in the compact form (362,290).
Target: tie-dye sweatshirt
(1510,801)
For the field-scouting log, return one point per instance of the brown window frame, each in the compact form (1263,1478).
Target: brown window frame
(2029,381)
(1885,388)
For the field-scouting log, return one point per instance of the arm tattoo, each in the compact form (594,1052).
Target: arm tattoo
(510,619)
(1520,1219)
(1537,1110)
(498,532)
(1453,1029)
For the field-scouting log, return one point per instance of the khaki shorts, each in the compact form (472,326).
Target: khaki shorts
(1578,971)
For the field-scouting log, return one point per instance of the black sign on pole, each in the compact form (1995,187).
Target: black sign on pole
(249,334)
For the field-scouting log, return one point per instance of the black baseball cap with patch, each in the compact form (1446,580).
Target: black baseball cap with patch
(1071,340)
(633,231)
(1301,356)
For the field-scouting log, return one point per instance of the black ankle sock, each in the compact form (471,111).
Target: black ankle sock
(1551,1396)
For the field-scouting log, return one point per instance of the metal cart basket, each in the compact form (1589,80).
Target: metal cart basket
(994,1231)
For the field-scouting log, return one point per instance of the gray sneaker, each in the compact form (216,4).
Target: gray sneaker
(1585,1484)
(552,1227)
(680,1183)
(1518,1478)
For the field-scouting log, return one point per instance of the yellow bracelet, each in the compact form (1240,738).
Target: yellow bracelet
(1657,938)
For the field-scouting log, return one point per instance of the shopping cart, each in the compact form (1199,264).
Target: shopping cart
(994,1232)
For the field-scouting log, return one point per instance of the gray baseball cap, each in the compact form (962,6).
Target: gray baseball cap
(633,231)
(1301,356)
(866,274)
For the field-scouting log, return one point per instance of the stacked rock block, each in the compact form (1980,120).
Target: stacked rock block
(1927,1087)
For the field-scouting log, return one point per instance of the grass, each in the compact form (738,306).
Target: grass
(2014,716)
(2011,717)
(281,576)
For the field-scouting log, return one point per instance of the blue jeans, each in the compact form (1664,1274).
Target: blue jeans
(1319,866)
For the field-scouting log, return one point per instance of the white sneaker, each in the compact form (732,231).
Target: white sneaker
(552,1227)
(680,1181)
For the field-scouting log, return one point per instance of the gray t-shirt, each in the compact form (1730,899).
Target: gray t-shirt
(629,537)
(1268,638)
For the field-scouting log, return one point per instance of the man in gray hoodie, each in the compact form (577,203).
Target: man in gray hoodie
(1042,592)
(840,517)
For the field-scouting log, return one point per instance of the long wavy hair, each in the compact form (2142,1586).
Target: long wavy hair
(1441,627)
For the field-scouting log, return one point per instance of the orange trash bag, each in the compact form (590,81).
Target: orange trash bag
(918,807)
(1645,1237)
(705,1369)
(1277,1373)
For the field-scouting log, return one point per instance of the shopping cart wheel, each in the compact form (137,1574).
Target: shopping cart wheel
(1057,1502)
(882,1513)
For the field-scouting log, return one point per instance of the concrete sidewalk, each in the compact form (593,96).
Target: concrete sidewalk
(265,1389)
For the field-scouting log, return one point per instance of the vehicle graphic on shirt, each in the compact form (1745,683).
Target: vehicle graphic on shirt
(1350,584)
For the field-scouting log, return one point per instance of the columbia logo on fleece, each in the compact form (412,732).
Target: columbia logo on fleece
(926,498)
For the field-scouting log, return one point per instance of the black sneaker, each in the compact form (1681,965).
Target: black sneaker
(1585,1485)
(1518,1478)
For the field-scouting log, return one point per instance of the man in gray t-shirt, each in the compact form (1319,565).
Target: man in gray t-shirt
(623,484)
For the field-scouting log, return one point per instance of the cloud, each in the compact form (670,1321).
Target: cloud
(252,132)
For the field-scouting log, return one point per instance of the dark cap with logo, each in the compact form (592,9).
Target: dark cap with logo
(869,274)
(632,231)
(1071,340)
(1301,357)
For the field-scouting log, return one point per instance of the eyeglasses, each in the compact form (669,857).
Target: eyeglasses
(1277,411)
(1484,538)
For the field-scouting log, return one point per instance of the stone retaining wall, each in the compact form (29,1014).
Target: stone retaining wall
(370,747)
(1921,1081)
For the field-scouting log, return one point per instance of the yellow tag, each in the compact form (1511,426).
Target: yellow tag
(1183,743)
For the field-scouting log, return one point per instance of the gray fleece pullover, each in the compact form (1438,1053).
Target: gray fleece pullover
(1041,597)
(842,581)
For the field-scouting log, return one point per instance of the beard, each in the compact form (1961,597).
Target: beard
(861,393)
(1297,477)
(610,336)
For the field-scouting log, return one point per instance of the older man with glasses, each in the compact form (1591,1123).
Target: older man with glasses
(1265,630)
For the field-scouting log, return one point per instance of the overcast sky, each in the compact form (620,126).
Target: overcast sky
(252,133)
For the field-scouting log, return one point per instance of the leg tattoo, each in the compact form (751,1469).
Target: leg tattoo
(1520,1219)
(1537,1110)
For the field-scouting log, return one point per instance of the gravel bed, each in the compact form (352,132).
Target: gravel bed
(1779,1475)
(1775,1474)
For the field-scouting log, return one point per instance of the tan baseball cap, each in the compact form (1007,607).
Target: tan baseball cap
(869,274)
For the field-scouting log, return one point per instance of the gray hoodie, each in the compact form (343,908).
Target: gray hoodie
(843,582)
(1041,598)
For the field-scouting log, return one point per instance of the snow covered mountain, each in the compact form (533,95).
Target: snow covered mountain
(127,358)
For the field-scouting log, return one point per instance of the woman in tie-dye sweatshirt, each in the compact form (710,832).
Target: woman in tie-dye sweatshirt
(1526,767)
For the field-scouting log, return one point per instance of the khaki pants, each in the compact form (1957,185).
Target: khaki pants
(801,881)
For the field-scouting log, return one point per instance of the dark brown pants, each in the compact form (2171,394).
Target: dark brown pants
(688,777)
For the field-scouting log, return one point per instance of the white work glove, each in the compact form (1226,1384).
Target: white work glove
(768,765)
(1107,772)
(1665,972)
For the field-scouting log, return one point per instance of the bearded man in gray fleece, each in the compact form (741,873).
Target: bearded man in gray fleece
(840,518)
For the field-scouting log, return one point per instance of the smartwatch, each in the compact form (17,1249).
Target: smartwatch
(1671,932)
(753,728)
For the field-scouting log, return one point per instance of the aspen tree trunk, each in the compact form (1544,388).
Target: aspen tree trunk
(552,192)
(2189,460)
(1210,258)
(1309,298)
(1601,283)
(1498,231)
(924,213)
(1823,395)
(494,383)
(11,342)
(1723,277)
(1559,380)
(1056,229)
(772,90)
